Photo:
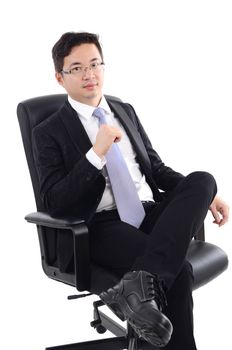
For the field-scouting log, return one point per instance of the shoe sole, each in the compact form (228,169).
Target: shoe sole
(157,333)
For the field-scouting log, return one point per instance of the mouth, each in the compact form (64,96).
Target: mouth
(90,86)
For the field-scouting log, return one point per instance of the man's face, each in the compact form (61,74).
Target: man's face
(83,83)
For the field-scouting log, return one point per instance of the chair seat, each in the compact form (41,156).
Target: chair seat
(207,260)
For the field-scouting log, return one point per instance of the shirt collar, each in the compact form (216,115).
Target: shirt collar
(86,111)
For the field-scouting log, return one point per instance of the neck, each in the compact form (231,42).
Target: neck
(90,100)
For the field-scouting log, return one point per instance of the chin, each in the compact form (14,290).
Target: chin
(93,99)
(94,95)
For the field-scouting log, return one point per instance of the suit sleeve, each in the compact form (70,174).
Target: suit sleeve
(165,177)
(74,192)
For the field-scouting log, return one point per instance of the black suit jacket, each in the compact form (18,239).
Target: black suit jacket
(69,184)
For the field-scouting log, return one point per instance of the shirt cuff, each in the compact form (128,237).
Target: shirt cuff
(95,160)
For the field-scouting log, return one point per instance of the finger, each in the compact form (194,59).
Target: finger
(118,136)
(222,222)
(224,219)
(216,216)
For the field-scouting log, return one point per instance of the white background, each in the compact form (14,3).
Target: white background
(172,61)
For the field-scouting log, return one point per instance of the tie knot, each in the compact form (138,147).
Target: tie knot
(100,114)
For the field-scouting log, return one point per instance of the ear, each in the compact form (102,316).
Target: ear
(59,78)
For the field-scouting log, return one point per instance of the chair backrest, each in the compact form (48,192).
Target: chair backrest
(30,113)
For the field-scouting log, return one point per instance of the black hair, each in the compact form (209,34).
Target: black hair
(67,41)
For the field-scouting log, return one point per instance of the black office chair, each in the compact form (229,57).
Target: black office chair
(208,260)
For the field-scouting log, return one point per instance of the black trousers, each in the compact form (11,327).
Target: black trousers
(159,246)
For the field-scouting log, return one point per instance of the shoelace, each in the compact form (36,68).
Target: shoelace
(156,290)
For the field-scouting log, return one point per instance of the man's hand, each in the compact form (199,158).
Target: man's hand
(106,136)
(220,211)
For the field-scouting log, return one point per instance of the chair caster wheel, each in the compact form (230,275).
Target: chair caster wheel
(98,326)
(100,329)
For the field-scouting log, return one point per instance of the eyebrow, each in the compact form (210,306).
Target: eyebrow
(79,63)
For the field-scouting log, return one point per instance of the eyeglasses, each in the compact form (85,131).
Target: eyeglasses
(80,70)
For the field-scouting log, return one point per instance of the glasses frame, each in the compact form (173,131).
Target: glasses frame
(94,66)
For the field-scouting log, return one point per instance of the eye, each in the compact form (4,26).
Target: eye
(76,69)
(94,65)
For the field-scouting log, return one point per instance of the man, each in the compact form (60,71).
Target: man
(83,154)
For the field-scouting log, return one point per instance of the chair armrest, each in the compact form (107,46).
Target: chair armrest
(44,219)
(80,243)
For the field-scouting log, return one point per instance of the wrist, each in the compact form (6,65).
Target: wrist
(98,152)
(95,160)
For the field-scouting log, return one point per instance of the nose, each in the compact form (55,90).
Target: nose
(88,72)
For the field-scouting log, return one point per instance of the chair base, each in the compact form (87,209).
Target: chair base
(114,343)
(124,338)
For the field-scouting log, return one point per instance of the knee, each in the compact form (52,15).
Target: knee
(205,183)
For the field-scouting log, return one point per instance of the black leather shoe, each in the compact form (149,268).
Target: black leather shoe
(139,298)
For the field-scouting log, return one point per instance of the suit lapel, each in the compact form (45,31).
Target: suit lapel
(132,132)
(82,142)
(75,128)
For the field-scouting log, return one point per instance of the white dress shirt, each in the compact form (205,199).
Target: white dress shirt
(91,125)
